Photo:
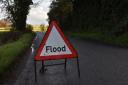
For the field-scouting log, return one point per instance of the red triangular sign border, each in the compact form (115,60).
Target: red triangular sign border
(54,57)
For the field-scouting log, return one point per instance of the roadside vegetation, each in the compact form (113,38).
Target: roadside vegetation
(11,51)
(18,36)
(13,45)
(121,40)
(8,37)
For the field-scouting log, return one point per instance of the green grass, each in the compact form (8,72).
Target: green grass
(9,52)
(121,40)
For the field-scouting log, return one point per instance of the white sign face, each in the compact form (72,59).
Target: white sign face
(55,45)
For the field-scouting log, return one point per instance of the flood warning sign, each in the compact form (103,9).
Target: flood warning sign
(55,45)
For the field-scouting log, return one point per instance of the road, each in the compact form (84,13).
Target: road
(99,65)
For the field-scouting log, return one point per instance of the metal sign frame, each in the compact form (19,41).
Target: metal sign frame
(37,56)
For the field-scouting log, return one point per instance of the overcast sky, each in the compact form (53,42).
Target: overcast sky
(38,14)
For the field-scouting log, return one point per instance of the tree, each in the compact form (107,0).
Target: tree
(17,11)
(60,10)
(91,15)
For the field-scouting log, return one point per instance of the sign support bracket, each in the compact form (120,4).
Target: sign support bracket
(65,64)
(78,67)
(35,71)
(54,46)
(42,70)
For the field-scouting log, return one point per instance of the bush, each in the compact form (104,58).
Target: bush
(7,37)
(42,27)
(29,28)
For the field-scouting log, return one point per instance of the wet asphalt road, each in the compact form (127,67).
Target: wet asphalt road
(99,64)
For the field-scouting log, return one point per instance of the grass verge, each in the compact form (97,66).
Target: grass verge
(9,52)
(121,40)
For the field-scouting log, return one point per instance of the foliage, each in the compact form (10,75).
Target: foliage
(29,28)
(100,37)
(17,11)
(42,27)
(13,50)
(3,24)
(60,10)
(92,15)
(7,37)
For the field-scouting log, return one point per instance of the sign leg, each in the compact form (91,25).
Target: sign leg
(65,64)
(78,67)
(35,71)
(42,70)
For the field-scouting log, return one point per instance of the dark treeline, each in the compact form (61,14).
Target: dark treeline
(107,16)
